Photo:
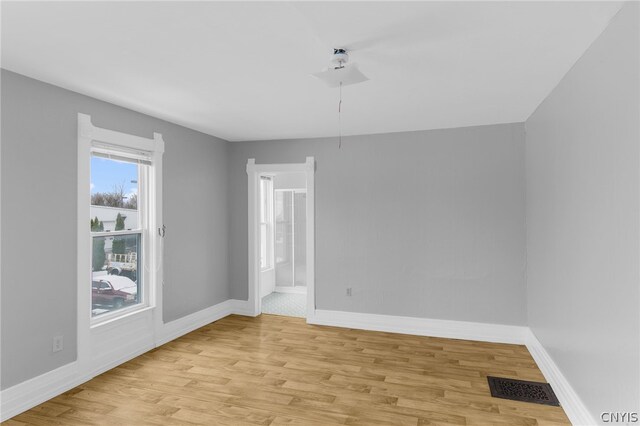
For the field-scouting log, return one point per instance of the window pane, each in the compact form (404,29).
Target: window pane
(116,274)
(114,195)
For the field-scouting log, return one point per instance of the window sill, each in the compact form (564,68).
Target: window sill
(121,316)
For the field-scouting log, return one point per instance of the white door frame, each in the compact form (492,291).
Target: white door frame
(253,175)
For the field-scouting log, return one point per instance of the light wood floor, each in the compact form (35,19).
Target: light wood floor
(275,370)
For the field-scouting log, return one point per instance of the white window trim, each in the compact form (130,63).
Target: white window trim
(89,137)
(254,171)
(143,229)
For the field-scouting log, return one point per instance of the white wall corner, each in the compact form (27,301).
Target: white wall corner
(573,406)
(174,329)
(244,308)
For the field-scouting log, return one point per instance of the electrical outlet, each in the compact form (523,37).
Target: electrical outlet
(57,343)
(348,291)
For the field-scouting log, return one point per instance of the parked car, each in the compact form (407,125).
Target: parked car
(114,291)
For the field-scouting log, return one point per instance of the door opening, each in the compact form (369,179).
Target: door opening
(281,240)
(290,240)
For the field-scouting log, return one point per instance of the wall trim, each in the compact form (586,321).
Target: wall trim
(254,171)
(92,333)
(484,332)
(181,326)
(573,406)
(28,394)
(569,400)
(291,290)
(35,391)
(242,307)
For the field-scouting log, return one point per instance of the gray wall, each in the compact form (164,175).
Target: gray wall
(424,224)
(39,181)
(582,220)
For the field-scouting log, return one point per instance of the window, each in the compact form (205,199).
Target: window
(266,223)
(118,221)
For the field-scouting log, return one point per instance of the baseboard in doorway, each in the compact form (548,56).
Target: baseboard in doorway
(292,290)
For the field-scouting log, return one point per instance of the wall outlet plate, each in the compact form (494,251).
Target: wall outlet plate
(57,343)
(349,292)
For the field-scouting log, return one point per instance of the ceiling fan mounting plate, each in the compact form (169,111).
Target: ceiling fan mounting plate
(339,73)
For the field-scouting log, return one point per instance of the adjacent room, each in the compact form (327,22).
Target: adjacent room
(320,213)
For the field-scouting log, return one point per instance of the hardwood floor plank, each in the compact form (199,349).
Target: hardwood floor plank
(273,370)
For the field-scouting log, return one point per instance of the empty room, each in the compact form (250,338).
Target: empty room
(320,213)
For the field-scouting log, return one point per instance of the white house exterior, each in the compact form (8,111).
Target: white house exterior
(108,217)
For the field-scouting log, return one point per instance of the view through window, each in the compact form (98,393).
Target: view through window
(116,234)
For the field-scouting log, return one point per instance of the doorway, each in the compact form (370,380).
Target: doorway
(281,240)
(290,240)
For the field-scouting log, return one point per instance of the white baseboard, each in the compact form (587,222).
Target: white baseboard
(174,329)
(28,394)
(423,326)
(242,307)
(39,389)
(292,290)
(569,400)
(35,391)
(119,357)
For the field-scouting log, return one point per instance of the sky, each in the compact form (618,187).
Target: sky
(105,174)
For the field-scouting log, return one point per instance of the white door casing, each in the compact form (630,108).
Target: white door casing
(253,175)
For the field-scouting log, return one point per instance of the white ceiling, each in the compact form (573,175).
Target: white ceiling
(240,71)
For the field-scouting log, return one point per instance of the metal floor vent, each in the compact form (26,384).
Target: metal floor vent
(521,390)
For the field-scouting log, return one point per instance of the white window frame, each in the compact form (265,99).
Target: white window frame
(268,222)
(144,219)
(143,320)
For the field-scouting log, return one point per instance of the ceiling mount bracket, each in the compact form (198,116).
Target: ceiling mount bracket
(339,58)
